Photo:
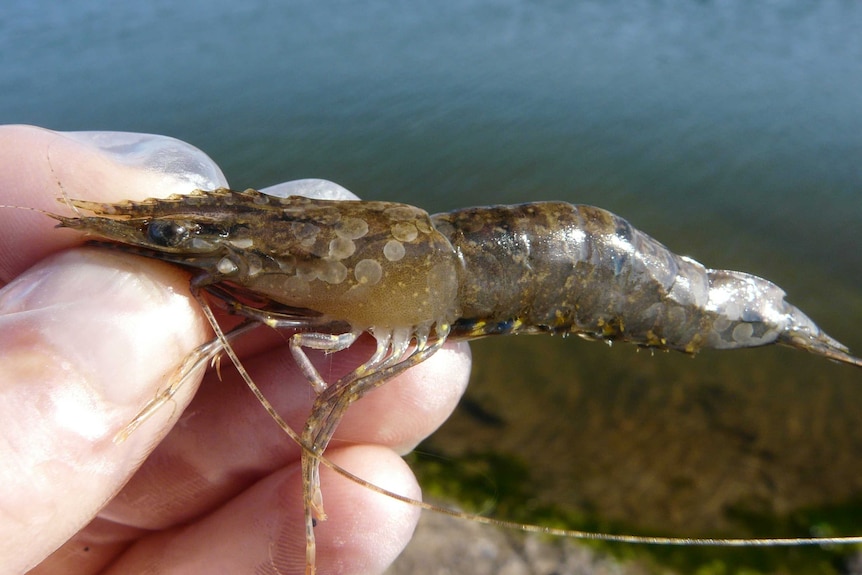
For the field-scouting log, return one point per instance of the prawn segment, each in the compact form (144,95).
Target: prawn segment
(553,267)
(748,311)
(369,264)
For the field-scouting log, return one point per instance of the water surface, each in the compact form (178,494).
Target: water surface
(730,130)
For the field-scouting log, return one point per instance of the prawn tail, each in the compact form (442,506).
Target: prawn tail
(750,311)
(804,334)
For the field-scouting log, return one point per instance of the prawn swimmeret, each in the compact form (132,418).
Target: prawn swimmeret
(335,269)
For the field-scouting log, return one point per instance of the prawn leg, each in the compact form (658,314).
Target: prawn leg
(295,319)
(329,408)
(329,343)
(326,414)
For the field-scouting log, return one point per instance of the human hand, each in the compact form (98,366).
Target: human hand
(208,483)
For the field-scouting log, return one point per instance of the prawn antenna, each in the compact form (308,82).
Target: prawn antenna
(65,195)
(592,535)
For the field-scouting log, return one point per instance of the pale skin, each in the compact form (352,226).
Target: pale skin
(208,483)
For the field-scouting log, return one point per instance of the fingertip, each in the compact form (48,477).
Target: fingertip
(407,409)
(87,338)
(262,530)
(119,322)
(379,527)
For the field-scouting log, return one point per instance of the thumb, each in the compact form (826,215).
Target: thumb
(87,338)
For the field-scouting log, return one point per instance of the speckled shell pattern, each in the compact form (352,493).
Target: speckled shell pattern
(544,267)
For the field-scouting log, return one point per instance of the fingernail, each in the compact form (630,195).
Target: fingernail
(188,165)
(311,188)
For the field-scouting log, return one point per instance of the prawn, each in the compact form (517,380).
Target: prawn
(335,269)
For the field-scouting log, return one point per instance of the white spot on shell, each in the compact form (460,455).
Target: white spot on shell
(201,245)
(424,226)
(405,232)
(742,333)
(253,264)
(721,324)
(341,248)
(304,231)
(332,272)
(306,273)
(351,228)
(402,213)
(393,250)
(242,243)
(368,272)
(226,266)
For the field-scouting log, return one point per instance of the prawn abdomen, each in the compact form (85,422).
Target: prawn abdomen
(553,267)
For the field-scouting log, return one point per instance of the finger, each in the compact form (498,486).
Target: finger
(225,440)
(262,529)
(87,338)
(38,166)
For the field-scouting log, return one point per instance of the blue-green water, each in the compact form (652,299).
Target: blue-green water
(731,131)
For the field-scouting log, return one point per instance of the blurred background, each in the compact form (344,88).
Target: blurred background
(731,131)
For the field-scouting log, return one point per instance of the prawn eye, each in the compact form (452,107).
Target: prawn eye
(166,233)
